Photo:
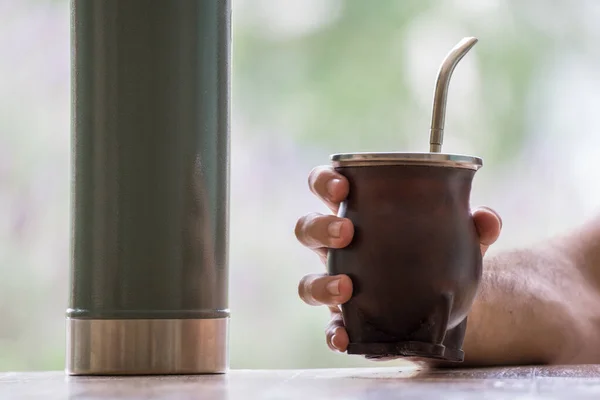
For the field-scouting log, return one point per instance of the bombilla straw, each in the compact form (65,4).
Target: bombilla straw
(436,134)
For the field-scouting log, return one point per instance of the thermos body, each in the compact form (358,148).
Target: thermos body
(150,193)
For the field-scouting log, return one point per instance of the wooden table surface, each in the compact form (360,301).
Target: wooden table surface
(572,382)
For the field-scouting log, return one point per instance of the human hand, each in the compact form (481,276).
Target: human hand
(321,232)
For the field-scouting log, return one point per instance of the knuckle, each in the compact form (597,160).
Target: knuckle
(304,226)
(334,324)
(337,321)
(299,228)
(303,288)
(313,176)
(317,178)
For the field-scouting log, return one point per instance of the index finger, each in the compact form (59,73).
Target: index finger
(328,185)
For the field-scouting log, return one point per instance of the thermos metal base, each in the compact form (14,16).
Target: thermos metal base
(147,346)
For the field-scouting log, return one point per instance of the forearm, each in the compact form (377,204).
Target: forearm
(531,308)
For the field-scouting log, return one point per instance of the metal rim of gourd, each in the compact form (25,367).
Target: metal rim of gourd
(436,134)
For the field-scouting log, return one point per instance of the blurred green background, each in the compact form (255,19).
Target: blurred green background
(310,78)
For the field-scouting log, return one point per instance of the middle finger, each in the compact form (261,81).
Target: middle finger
(318,231)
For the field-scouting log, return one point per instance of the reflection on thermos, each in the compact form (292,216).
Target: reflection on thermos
(149,273)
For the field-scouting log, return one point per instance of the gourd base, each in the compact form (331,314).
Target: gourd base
(406,349)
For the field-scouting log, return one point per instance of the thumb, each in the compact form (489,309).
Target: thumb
(488,224)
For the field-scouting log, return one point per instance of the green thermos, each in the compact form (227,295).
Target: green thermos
(150,193)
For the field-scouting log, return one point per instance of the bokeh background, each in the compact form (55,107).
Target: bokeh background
(310,78)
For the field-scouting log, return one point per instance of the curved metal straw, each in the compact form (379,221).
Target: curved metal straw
(436,135)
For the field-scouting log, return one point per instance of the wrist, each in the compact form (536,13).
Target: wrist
(520,316)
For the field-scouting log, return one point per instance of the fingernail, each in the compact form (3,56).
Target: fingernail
(331,185)
(334,229)
(333,287)
(333,342)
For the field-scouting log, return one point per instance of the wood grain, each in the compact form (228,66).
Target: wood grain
(571,382)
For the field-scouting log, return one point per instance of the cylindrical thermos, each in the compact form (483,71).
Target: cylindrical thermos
(149,273)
